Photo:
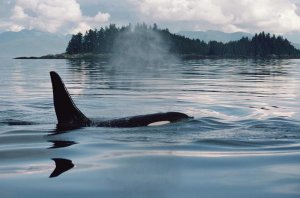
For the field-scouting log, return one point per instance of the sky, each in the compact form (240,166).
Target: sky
(72,16)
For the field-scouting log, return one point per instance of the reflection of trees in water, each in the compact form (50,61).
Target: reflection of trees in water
(239,67)
(247,77)
(96,67)
(92,69)
(95,71)
(262,68)
(104,74)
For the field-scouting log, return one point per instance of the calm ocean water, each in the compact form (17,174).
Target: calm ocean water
(244,140)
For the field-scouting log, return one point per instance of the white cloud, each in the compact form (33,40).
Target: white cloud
(278,16)
(66,16)
(63,16)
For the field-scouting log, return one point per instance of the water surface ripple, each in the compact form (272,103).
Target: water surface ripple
(244,139)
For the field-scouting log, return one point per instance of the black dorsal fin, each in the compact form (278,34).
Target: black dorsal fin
(66,111)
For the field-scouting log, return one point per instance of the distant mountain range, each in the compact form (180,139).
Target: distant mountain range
(31,43)
(296,45)
(212,35)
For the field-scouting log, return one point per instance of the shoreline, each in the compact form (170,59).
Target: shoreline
(66,56)
(182,56)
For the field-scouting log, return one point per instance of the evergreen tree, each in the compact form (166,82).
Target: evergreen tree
(75,44)
(102,41)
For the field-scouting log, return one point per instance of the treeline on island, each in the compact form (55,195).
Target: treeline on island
(103,41)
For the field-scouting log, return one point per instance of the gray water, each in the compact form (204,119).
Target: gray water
(244,140)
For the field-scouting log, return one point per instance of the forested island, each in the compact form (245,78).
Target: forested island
(113,39)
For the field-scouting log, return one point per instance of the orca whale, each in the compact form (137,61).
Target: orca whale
(70,117)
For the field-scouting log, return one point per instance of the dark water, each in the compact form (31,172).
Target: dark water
(243,142)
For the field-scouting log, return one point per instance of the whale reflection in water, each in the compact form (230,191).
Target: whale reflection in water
(61,166)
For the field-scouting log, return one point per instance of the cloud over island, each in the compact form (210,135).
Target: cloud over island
(279,16)
(70,16)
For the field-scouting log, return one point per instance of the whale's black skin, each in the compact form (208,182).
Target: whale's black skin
(69,116)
